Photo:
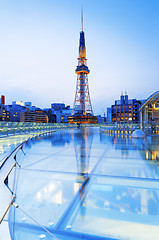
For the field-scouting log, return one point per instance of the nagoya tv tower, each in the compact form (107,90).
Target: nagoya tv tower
(82,109)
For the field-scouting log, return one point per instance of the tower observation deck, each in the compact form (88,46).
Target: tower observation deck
(82,109)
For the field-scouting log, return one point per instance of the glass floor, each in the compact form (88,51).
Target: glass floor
(85,184)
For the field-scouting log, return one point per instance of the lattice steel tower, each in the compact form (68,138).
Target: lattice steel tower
(82,104)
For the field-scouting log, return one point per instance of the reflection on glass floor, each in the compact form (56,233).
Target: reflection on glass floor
(84,184)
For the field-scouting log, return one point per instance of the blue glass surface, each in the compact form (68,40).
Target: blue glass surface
(85,184)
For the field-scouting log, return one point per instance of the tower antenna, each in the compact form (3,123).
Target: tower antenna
(82,19)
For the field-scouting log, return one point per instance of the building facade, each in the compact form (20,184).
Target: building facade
(51,115)
(41,116)
(126,110)
(58,113)
(149,111)
(4,114)
(38,116)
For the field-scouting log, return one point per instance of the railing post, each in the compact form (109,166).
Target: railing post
(7,209)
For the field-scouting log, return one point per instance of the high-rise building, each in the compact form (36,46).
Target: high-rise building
(126,110)
(82,109)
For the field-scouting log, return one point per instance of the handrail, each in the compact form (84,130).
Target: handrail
(7,209)
(6,158)
(14,128)
(148,127)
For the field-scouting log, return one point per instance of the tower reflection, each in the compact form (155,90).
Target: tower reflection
(83,139)
(82,143)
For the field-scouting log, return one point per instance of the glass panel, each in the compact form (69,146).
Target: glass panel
(122,212)
(128,168)
(84,184)
(47,197)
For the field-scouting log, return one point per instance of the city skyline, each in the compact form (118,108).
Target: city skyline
(39,50)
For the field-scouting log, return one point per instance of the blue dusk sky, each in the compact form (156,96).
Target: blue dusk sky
(39,49)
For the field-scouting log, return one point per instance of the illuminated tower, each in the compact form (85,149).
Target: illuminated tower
(82,109)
